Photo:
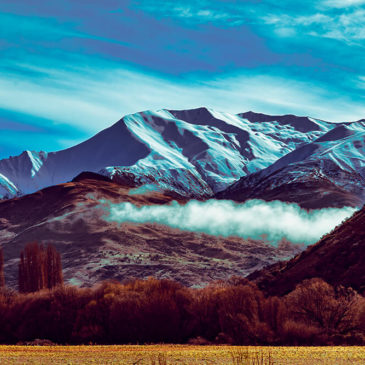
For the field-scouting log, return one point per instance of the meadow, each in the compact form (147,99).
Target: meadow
(179,355)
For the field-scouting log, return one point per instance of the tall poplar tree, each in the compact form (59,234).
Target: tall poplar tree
(39,268)
(2,277)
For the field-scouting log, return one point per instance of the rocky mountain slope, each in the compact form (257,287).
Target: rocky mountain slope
(338,258)
(194,153)
(328,172)
(71,216)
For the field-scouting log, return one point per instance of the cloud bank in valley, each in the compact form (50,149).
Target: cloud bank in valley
(254,219)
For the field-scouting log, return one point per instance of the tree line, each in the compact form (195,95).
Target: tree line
(154,311)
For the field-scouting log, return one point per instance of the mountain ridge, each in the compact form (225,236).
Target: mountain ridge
(331,169)
(195,152)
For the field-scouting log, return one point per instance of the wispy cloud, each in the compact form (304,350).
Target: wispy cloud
(197,12)
(223,218)
(338,19)
(20,131)
(200,15)
(341,3)
(92,100)
(347,27)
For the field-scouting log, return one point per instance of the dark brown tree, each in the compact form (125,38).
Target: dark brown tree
(53,268)
(22,274)
(39,268)
(2,278)
(316,303)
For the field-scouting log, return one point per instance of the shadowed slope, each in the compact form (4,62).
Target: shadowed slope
(115,145)
(337,258)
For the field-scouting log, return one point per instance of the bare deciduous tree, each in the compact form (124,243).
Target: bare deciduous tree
(2,278)
(39,268)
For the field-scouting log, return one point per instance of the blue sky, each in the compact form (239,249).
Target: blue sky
(69,68)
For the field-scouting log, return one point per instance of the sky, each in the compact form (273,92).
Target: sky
(70,68)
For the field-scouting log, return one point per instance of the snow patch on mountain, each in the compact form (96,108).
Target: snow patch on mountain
(7,188)
(23,170)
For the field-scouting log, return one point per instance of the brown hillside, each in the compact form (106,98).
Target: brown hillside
(70,216)
(338,258)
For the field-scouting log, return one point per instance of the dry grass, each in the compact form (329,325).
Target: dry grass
(180,355)
(243,356)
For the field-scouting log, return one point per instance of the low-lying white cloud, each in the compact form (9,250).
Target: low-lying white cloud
(254,219)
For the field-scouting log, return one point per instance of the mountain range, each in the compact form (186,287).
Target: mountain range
(202,153)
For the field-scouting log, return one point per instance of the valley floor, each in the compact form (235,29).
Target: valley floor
(179,354)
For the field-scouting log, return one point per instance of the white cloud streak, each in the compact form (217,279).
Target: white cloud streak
(92,101)
(346,26)
(340,4)
(254,219)
(342,20)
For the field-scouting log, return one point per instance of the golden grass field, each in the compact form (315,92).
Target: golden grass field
(179,354)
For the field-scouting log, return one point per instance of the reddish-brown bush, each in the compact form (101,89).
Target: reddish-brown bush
(299,333)
(147,311)
(316,303)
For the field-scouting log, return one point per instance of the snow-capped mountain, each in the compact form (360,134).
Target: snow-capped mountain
(329,172)
(194,153)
